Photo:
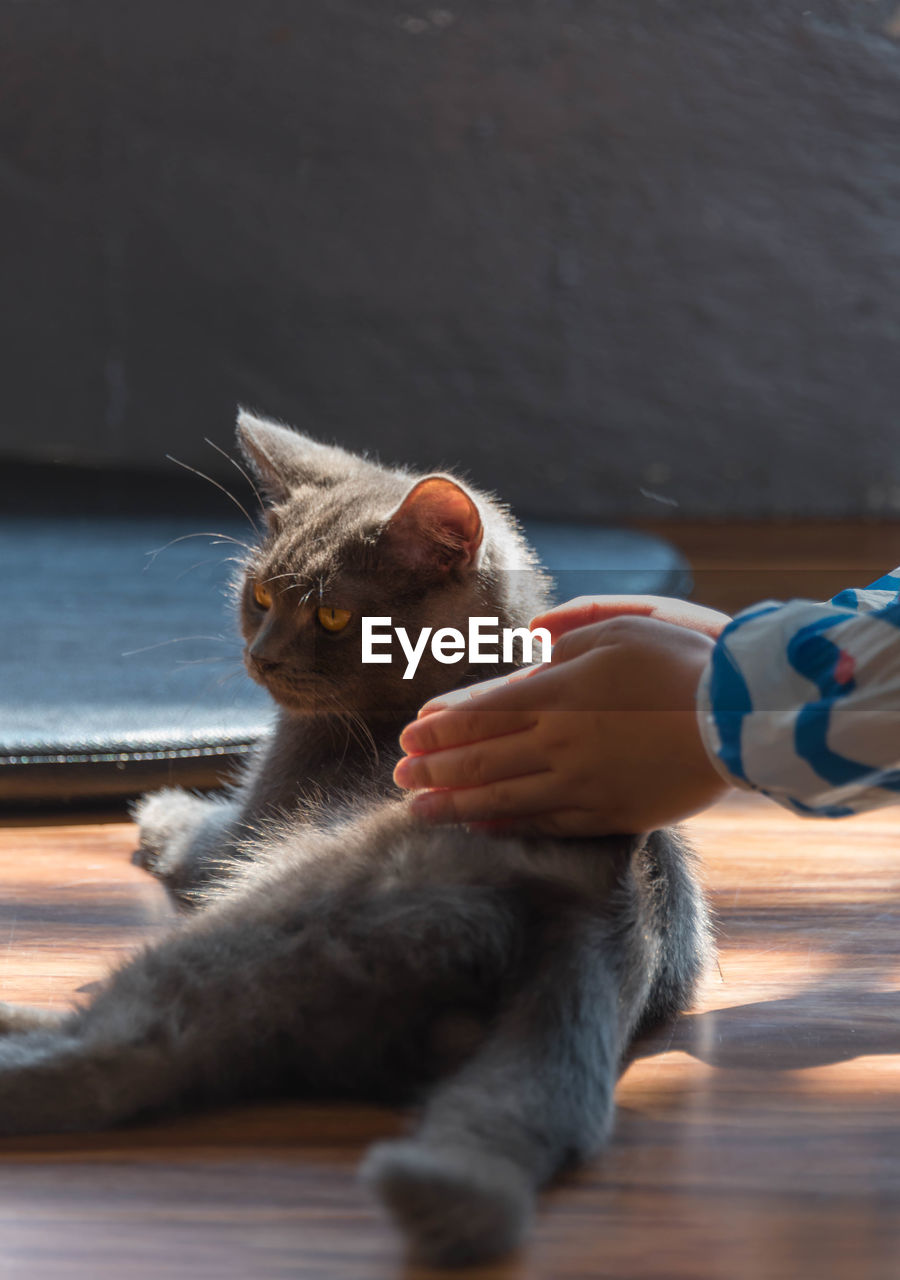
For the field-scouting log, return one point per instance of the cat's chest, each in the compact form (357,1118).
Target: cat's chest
(311,771)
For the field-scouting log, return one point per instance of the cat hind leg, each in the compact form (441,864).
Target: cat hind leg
(454,1209)
(536,1097)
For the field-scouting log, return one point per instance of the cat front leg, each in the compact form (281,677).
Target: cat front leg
(189,842)
(186,841)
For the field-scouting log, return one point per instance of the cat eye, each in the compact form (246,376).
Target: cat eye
(262,596)
(334,619)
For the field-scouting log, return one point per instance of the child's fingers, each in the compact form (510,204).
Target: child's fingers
(458,725)
(514,706)
(584,610)
(456,696)
(503,706)
(593,639)
(471,691)
(512,798)
(514,755)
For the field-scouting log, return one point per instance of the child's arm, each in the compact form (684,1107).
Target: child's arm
(802,701)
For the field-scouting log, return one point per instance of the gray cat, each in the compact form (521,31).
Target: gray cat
(345,949)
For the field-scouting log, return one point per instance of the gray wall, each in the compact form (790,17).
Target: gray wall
(578,248)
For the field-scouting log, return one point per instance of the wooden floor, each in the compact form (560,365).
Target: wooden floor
(757,1139)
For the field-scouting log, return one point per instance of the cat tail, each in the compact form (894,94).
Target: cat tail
(536,1097)
(54,1081)
(15,1019)
(676,912)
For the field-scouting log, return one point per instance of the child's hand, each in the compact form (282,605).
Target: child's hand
(586,609)
(604,738)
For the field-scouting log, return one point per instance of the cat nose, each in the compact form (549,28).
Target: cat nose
(265,666)
(266,651)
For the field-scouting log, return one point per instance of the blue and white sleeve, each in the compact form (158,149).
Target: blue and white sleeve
(801,701)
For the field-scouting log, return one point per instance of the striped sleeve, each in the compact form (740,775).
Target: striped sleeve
(801,701)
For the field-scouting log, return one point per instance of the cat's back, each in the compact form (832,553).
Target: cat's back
(377,845)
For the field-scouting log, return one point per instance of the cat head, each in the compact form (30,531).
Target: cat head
(347,538)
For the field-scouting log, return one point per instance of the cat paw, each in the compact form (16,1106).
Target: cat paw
(162,818)
(455,1207)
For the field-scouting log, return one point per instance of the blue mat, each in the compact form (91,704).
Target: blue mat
(120,669)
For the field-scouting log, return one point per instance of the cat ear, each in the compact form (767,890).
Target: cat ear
(436,524)
(282,459)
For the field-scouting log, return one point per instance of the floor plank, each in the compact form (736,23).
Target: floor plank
(759,1137)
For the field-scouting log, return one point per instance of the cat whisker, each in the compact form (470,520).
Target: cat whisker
(215,681)
(364,733)
(237,465)
(229,675)
(367,737)
(299,582)
(356,727)
(129,653)
(222,540)
(296,587)
(332,705)
(364,740)
(224,537)
(197,662)
(199,564)
(228,494)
